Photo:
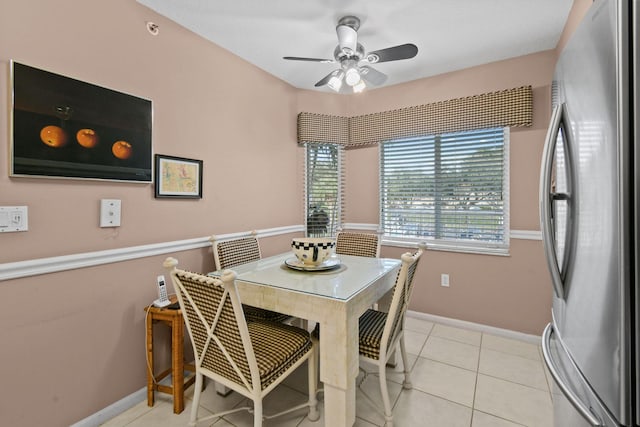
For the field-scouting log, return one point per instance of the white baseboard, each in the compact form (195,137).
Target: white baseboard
(113,410)
(505,333)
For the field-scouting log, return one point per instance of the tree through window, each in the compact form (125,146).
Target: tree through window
(450,188)
(323,189)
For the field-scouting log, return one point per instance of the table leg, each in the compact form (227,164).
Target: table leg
(177,364)
(150,385)
(339,368)
(339,406)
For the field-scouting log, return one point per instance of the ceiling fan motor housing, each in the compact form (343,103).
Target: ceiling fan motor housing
(340,55)
(350,21)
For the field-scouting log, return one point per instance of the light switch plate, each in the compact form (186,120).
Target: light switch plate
(13,218)
(110,212)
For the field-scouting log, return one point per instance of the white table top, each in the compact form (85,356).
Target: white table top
(354,274)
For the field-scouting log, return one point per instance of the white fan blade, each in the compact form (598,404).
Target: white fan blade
(373,76)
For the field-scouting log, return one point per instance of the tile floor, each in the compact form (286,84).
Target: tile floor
(461,378)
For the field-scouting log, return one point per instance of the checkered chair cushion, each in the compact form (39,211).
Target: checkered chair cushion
(230,253)
(358,244)
(216,334)
(277,347)
(371,325)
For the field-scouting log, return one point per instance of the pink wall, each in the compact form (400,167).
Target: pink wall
(72,342)
(578,10)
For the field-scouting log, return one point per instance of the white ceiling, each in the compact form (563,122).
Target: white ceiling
(450,34)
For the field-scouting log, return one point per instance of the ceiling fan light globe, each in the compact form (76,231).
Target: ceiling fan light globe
(359,87)
(335,83)
(352,77)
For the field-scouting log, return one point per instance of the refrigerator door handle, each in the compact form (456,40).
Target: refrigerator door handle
(566,390)
(547,198)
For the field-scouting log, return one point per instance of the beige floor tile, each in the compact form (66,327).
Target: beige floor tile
(513,402)
(372,410)
(446,381)
(131,414)
(550,382)
(457,334)
(451,352)
(278,400)
(417,325)
(222,423)
(213,402)
(395,373)
(512,368)
(162,416)
(413,341)
(511,346)
(297,380)
(418,409)
(480,419)
(320,423)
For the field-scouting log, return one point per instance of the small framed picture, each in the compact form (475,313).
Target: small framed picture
(177,177)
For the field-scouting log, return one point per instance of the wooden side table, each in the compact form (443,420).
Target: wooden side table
(172,318)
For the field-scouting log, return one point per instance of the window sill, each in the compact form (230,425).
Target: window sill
(446,247)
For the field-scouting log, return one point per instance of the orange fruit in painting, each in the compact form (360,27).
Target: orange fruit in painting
(88,138)
(121,149)
(53,136)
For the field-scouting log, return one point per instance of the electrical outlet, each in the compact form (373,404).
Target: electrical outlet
(444,280)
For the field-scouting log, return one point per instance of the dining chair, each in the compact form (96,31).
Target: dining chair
(251,358)
(358,244)
(380,332)
(228,254)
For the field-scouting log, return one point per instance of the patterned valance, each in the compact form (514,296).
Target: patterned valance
(323,128)
(505,108)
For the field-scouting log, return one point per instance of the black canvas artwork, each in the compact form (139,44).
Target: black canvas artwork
(66,128)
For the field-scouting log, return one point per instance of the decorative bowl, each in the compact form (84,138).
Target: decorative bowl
(313,250)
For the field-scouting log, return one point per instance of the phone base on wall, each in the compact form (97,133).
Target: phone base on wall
(161,303)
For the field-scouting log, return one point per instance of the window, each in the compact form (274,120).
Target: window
(323,189)
(449,188)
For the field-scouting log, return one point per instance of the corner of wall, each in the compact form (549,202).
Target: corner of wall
(576,14)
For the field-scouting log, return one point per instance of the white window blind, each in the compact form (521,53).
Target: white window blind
(323,188)
(450,188)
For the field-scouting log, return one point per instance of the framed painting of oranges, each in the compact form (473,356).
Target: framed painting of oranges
(66,128)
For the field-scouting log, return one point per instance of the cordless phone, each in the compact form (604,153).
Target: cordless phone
(163,298)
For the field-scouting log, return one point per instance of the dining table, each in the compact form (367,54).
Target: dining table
(335,295)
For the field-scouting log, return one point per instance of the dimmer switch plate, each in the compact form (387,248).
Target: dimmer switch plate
(13,218)
(110,212)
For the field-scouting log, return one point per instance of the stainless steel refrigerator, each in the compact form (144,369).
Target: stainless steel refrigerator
(589,207)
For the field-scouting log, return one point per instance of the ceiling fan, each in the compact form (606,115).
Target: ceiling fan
(354,69)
